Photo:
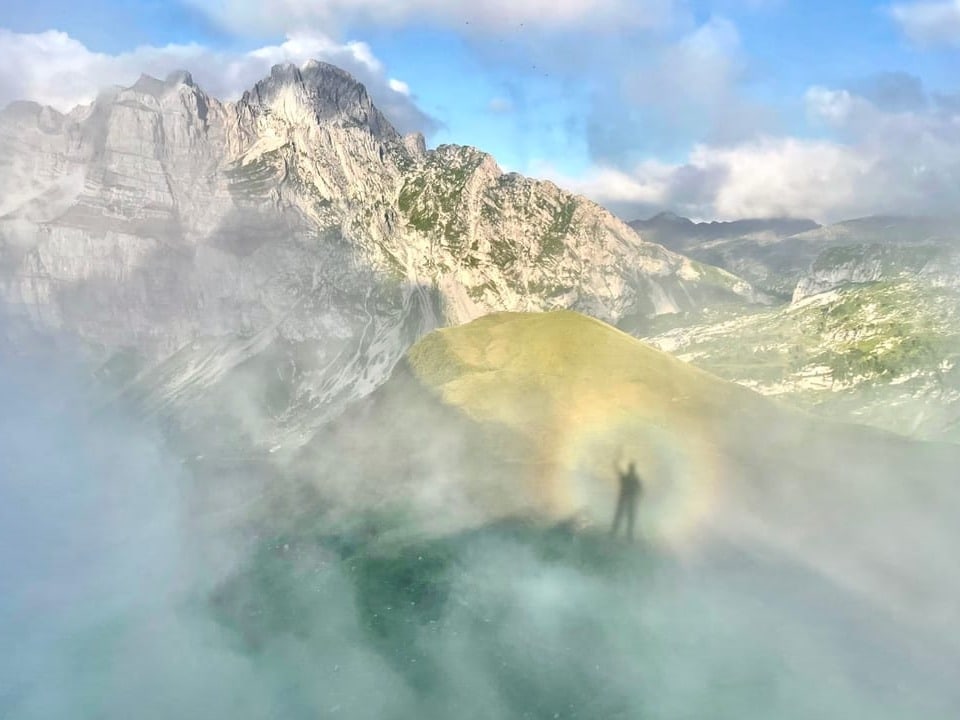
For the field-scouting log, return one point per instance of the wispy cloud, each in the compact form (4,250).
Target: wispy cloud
(894,91)
(932,22)
(673,93)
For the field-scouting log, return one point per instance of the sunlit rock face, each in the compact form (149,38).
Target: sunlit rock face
(922,249)
(197,244)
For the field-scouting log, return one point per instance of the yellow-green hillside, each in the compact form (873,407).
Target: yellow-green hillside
(519,412)
(530,413)
(585,397)
(524,369)
(526,415)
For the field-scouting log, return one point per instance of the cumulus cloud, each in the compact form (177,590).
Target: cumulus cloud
(841,110)
(878,162)
(930,22)
(55,69)
(252,16)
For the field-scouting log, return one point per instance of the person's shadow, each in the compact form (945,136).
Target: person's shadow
(627,501)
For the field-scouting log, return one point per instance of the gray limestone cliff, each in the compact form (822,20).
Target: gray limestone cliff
(885,249)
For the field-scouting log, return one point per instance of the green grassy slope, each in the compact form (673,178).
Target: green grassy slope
(881,353)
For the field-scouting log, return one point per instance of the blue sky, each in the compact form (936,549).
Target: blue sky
(714,108)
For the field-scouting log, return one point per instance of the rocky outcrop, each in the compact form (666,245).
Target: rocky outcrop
(498,241)
(936,263)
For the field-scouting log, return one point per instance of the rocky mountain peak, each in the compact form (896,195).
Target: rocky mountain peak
(178,82)
(415,144)
(668,217)
(25,113)
(180,77)
(321,92)
(150,85)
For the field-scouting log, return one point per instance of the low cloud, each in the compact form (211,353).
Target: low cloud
(55,69)
(934,22)
(134,588)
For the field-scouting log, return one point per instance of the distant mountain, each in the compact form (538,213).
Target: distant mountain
(780,255)
(264,262)
(751,246)
(874,249)
(680,233)
(884,353)
(869,330)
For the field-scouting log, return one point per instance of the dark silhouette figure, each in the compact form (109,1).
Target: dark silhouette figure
(630,489)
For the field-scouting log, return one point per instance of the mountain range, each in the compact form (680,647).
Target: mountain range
(784,256)
(251,268)
(261,263)
(865,328)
